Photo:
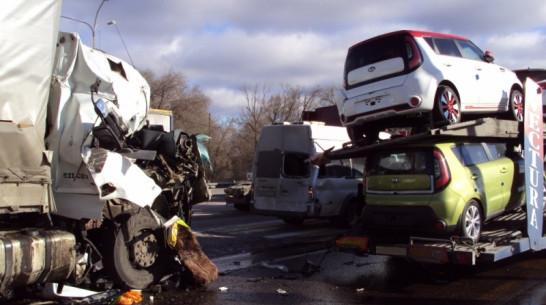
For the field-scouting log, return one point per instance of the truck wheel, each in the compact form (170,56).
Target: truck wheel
(471,223)
(516,105)
(137,253)
(447,106)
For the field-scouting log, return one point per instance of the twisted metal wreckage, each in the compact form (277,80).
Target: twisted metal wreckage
(89,187)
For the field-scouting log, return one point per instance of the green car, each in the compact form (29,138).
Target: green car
(441,188)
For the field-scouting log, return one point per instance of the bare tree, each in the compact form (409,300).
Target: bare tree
(254,113)
(327,95)
(189,104)
(221,149)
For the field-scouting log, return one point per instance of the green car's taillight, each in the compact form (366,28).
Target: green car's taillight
(441,171)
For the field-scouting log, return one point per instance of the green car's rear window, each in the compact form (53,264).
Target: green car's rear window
(407,162)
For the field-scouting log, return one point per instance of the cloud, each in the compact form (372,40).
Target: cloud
(221,45)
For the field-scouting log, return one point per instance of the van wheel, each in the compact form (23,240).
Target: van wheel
(350,215)
(516,105)
(293,220)
(447,106)
(471,223)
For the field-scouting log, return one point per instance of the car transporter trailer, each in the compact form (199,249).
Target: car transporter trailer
(505,236)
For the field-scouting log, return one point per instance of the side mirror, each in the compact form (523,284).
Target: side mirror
(101,109)
(488,57)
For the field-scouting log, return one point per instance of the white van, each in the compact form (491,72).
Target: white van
(290,187)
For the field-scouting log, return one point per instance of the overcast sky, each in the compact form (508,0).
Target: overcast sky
(221,45)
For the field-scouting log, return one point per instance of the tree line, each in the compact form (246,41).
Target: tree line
(233,140)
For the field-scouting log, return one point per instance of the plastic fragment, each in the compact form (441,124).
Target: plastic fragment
(282,291)
(130,297)
(283,268)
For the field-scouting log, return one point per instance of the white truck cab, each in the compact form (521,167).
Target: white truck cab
(289,186)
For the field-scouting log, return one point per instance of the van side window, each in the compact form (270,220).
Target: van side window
(295,165)
(269,164)
(447,47)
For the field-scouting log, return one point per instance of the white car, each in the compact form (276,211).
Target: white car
(407,78)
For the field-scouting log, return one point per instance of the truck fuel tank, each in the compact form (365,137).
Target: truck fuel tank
(34,256)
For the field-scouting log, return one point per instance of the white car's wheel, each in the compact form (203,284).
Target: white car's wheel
(516,105)
(448,106)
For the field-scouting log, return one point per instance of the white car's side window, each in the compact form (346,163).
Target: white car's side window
(469,50)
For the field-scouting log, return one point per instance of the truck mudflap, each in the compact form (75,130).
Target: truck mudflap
(35,256)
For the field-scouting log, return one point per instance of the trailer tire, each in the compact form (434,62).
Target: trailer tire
(471,221)
(447,108)
(137,251)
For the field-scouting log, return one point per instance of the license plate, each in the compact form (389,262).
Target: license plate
(390,250)
(429,254)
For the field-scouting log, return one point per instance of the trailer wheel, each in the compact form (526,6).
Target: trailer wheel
(471,224)
(138,254)
(447,106)
(516,105)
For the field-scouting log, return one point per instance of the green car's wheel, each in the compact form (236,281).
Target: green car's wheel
(471,224)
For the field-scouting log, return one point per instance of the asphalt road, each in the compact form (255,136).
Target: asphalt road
(264,261)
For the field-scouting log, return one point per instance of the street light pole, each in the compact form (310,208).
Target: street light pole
(90,27)
(95,23)
(113,22)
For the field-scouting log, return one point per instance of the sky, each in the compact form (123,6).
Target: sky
(222,45)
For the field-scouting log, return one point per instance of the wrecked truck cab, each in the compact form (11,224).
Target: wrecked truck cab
(111,167)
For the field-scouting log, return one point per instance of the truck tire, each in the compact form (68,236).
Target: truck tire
(137,253)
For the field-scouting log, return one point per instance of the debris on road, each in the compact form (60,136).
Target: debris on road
(283,268)
(198,269)
(130,297)
(55,290)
